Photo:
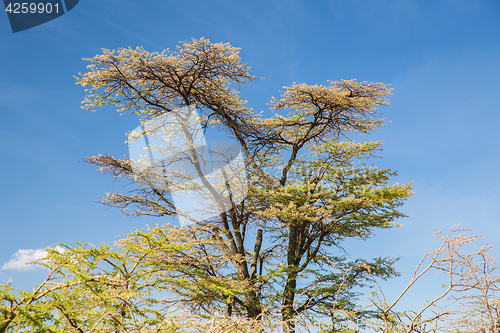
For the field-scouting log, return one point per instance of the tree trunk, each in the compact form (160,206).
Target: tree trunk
(288,312)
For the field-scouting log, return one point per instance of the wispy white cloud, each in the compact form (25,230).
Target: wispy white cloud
(22,257)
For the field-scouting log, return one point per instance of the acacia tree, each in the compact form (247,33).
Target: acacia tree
(99,289)
(468,301)
(308,190)
(295,219)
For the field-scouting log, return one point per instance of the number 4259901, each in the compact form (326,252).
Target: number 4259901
(24,8)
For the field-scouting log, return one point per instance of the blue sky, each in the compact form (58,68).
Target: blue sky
(441,57)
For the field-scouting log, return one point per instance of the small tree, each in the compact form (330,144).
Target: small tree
(469,300)
(133,288)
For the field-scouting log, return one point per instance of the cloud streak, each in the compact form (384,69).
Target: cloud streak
(19,260)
